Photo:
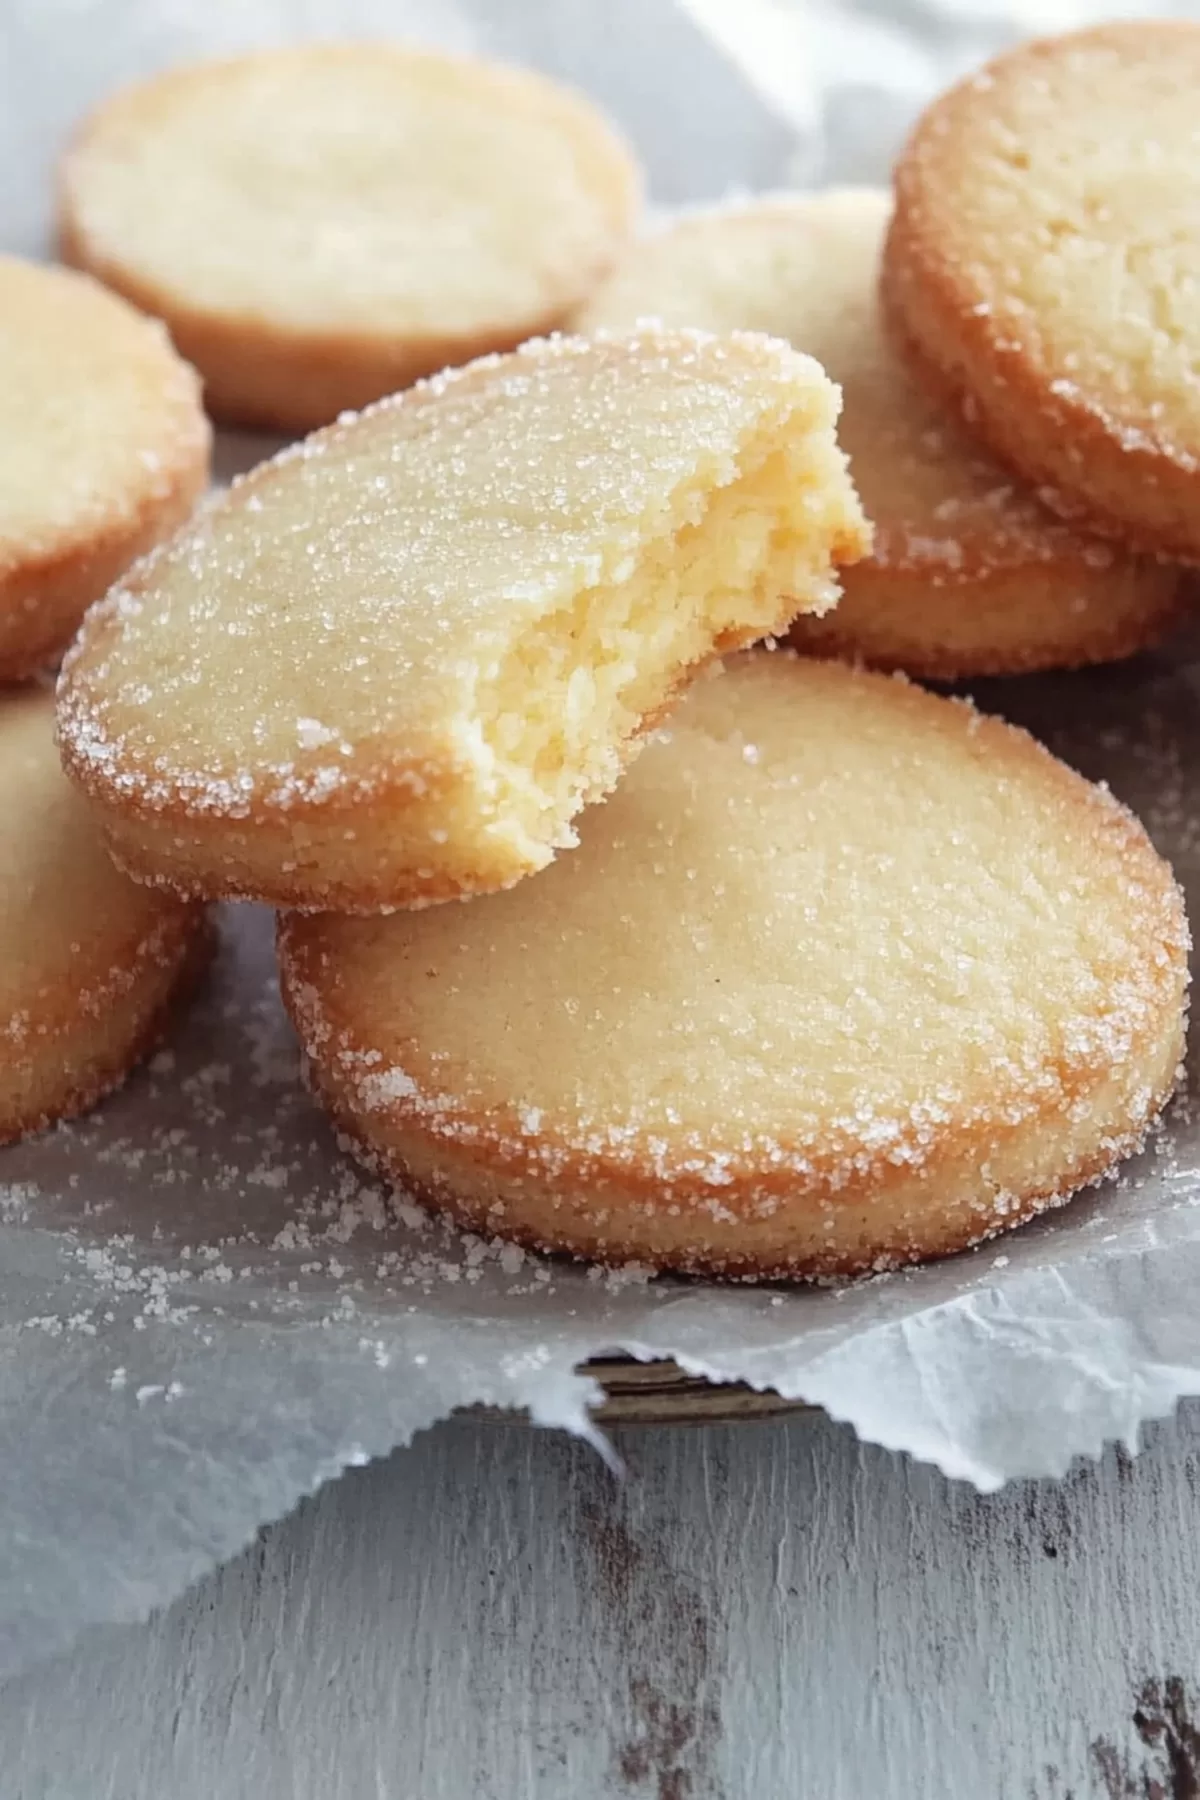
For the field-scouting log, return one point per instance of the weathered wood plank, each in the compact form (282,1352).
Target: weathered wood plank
(755,1611)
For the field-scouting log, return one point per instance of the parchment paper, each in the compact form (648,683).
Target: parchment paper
(206,1310)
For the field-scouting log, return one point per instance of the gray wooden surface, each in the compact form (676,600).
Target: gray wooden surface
(755,1612)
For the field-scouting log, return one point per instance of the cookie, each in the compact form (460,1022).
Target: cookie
(320,225)
(389,667)
(843,976)
(104,445)
(1043,261)
(89,961)
(969,574)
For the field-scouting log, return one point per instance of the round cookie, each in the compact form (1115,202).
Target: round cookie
(89,961)
(322,224)
(389,667)
(103,451)
(843,976)
(969,574)
(1043,263)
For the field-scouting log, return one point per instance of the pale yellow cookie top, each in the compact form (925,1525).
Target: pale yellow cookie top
(826,915)
(98,415)
(1056,194)
(354,188)
(74,931)
(337,618)
(805,267)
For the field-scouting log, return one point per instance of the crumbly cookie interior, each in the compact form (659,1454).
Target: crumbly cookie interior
(548,719)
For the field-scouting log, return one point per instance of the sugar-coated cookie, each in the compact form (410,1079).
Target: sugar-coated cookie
(103,447)
(1043,261)
(320,225)
(843,976)
(89,961)
(969,574)
(388,667)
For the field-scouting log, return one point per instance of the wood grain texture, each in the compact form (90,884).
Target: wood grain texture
(754,1612)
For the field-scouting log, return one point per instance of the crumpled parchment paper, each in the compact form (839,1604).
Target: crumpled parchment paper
(206,1310)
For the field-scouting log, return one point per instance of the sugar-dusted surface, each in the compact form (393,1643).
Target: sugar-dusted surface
(814,999)
(376,609)
(1044,261)
(357,582)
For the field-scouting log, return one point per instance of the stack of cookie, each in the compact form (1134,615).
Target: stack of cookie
(105,451)
(980,566)
(771,964)
(315,227)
